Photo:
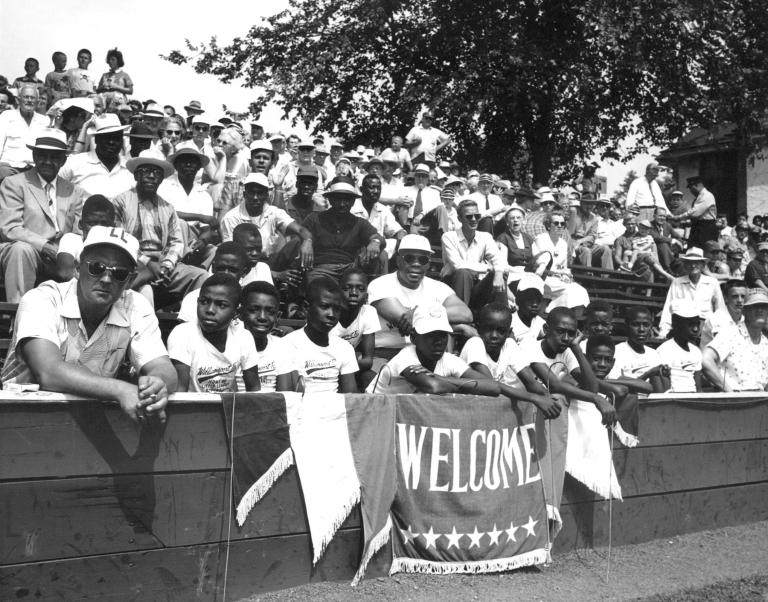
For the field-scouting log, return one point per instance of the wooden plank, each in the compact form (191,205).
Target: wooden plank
(642,519)
(190,573)
(702,418)
(644,471)
(49,519)
(88,438)
(616,280)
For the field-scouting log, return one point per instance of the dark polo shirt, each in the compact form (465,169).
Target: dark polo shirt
(338,244)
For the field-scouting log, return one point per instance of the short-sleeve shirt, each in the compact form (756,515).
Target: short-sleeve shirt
(51,312)
(745,364)
(210,370)
(756,271)
(72,244)
(338,243)
(633,364)
(683,365)
(274,360)
(197,201)
(366,322)
(57,85)
(380,218)
(523,332)
(321,366)
(389,380)
(428,292)
(81,82)
(562,364)
(717,322)
(430,138)
(87,171)
(505,370)
(272,222)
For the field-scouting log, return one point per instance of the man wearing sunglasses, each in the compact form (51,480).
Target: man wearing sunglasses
(72,337)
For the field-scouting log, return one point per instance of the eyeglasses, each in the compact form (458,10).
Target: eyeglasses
(201,128)
(410,258)
(152,172)
(472,217)
(96,268)
(558,223)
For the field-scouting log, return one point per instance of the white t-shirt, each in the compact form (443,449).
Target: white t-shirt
(71,243)
(683,364)
(428,292)
(523,332)
(511,361)
(366,322)
(276,359)
(633,364)
(81,80)
(210,370)
(533,354)
(320,366)
(389,380)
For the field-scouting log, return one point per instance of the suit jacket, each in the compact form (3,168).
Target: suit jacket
(24,211)
(666,235)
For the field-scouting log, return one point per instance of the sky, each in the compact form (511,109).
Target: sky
(144,29)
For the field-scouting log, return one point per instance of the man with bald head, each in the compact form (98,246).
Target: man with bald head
(17,127)
(645,193)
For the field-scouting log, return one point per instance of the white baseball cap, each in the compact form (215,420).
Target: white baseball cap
(256,178)
(115,237)
(530,281)
(429,318)
(415,242)
(685,308)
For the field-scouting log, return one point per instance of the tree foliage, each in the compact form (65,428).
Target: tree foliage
(542,83)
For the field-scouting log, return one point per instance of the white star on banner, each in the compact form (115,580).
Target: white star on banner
(511,531)
(494,535)
(453,538)
(529,526)
(409,535)
(430,538)
(475,537)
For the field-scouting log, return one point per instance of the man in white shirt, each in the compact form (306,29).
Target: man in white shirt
(474,267)
(17,128)
(645,193)
(703,290)
(607,230)
(424,141)
(379,216)
(491,206)
(426,199)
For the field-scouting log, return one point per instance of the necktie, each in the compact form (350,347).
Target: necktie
(51,204)
(418,206)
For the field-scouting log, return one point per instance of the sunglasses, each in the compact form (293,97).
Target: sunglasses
(410,258)
(152,172)
(558,223)
(96,268)
(472,217)
(201,128)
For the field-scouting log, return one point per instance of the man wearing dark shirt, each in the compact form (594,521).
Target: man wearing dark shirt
(757,269)
(339,236)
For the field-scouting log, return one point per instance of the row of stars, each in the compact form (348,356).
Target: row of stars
(453,538)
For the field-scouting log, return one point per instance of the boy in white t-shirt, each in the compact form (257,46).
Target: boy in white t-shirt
(97,211)
(558,357)
(424,366)
(326,363)
(358,323)
(402,154)
(495,355)
(633,358)
(210,354)
(259,311)
(526,321)
(680,352)
(600,353)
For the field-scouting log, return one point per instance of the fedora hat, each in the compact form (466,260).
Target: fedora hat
(194,105)
(186,150)
(50,139)
(154,110)
(107,123)
(420,168)
(341,189)
(148,157)
(694,254)
(141,130)
(374,161)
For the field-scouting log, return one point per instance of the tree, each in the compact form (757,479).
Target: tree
(543,83)
(621,194)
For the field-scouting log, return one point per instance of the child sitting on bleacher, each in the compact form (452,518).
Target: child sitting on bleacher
(633,358)
(424,366)
(358,322)
(495,355)
(210,354)
(642,258)
(259,311)
(599,319)
(326,363)
(97,211)
(526,321)
(248,236)
(680,352)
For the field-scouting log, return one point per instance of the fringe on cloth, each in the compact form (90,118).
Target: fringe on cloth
(259,489)
(597,484)
(415,565)
(626,439)
(377,543)
(331,529)
(553,514)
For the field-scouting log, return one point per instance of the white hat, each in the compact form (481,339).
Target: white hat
(258,145)
(370,153)
(115,237)
(685,308)
(148,157)
(547,197)
(257,123)
(421,168)
(50,139)
(352,155)
(694,254)
(544,190)
(256,178)
(306,144)
(415,242)
(429,318)
(86,104)
(107,124)
(154,110)
(339,188)
(200,119)
(360,149)
(756,296)
(530,281)
(276,137)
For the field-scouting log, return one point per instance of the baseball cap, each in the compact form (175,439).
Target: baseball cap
(308,171)
(713,245)
(429,318)
(530,281)
(415,242)
(756,296)
(261,145)
(645,223)
(256,178)
(685,308)
(762,245)
(114,237)
(308,144)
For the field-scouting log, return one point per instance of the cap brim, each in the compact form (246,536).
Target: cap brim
(47,147)
(110,130)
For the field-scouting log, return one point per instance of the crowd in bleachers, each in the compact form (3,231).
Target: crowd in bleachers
(306,263)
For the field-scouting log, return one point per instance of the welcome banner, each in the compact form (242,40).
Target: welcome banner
(470,495)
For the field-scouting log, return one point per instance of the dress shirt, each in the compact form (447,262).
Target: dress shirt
(583,230)
(380,218)
(271,222)
(87,171)
(705,294)
(646,194)
(486,204)
(430,198)
(479,256)
(53,203)
(15,134)
(197,201)
(703,208)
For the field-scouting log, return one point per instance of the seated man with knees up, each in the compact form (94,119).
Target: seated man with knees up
(73,337)
(474,267)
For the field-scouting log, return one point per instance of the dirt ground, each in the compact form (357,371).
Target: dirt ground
(658,567)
